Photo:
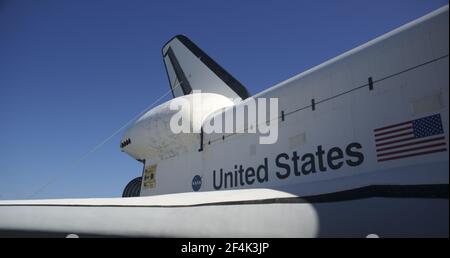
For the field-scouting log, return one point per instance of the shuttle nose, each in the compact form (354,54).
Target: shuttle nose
(131,142)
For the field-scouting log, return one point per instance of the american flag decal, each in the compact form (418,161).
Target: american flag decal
(412,138)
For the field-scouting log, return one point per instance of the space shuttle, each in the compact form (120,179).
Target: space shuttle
(354,147)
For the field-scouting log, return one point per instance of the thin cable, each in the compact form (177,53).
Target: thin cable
(98,146)
(336,96)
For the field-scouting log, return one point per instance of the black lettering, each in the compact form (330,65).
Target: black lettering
(235,176)
(283,165)
(309,165)
(241,176)
(319,155)
(218,186)
(228,175)
(295,159)
(335,154)
(265,177)
(249,173)
(354,154)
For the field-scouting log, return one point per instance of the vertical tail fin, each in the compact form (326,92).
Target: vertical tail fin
(189,68)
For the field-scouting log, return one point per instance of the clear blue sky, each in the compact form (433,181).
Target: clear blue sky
(72,72)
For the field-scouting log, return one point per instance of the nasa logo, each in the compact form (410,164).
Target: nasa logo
(196,183)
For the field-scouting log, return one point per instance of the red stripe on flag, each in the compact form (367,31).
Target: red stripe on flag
(412,149)
(394,131)
(410,143)
(393,136)
(401,140)
(387,127)
(414,154)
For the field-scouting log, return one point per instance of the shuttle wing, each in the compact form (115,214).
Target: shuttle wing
(247,213)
